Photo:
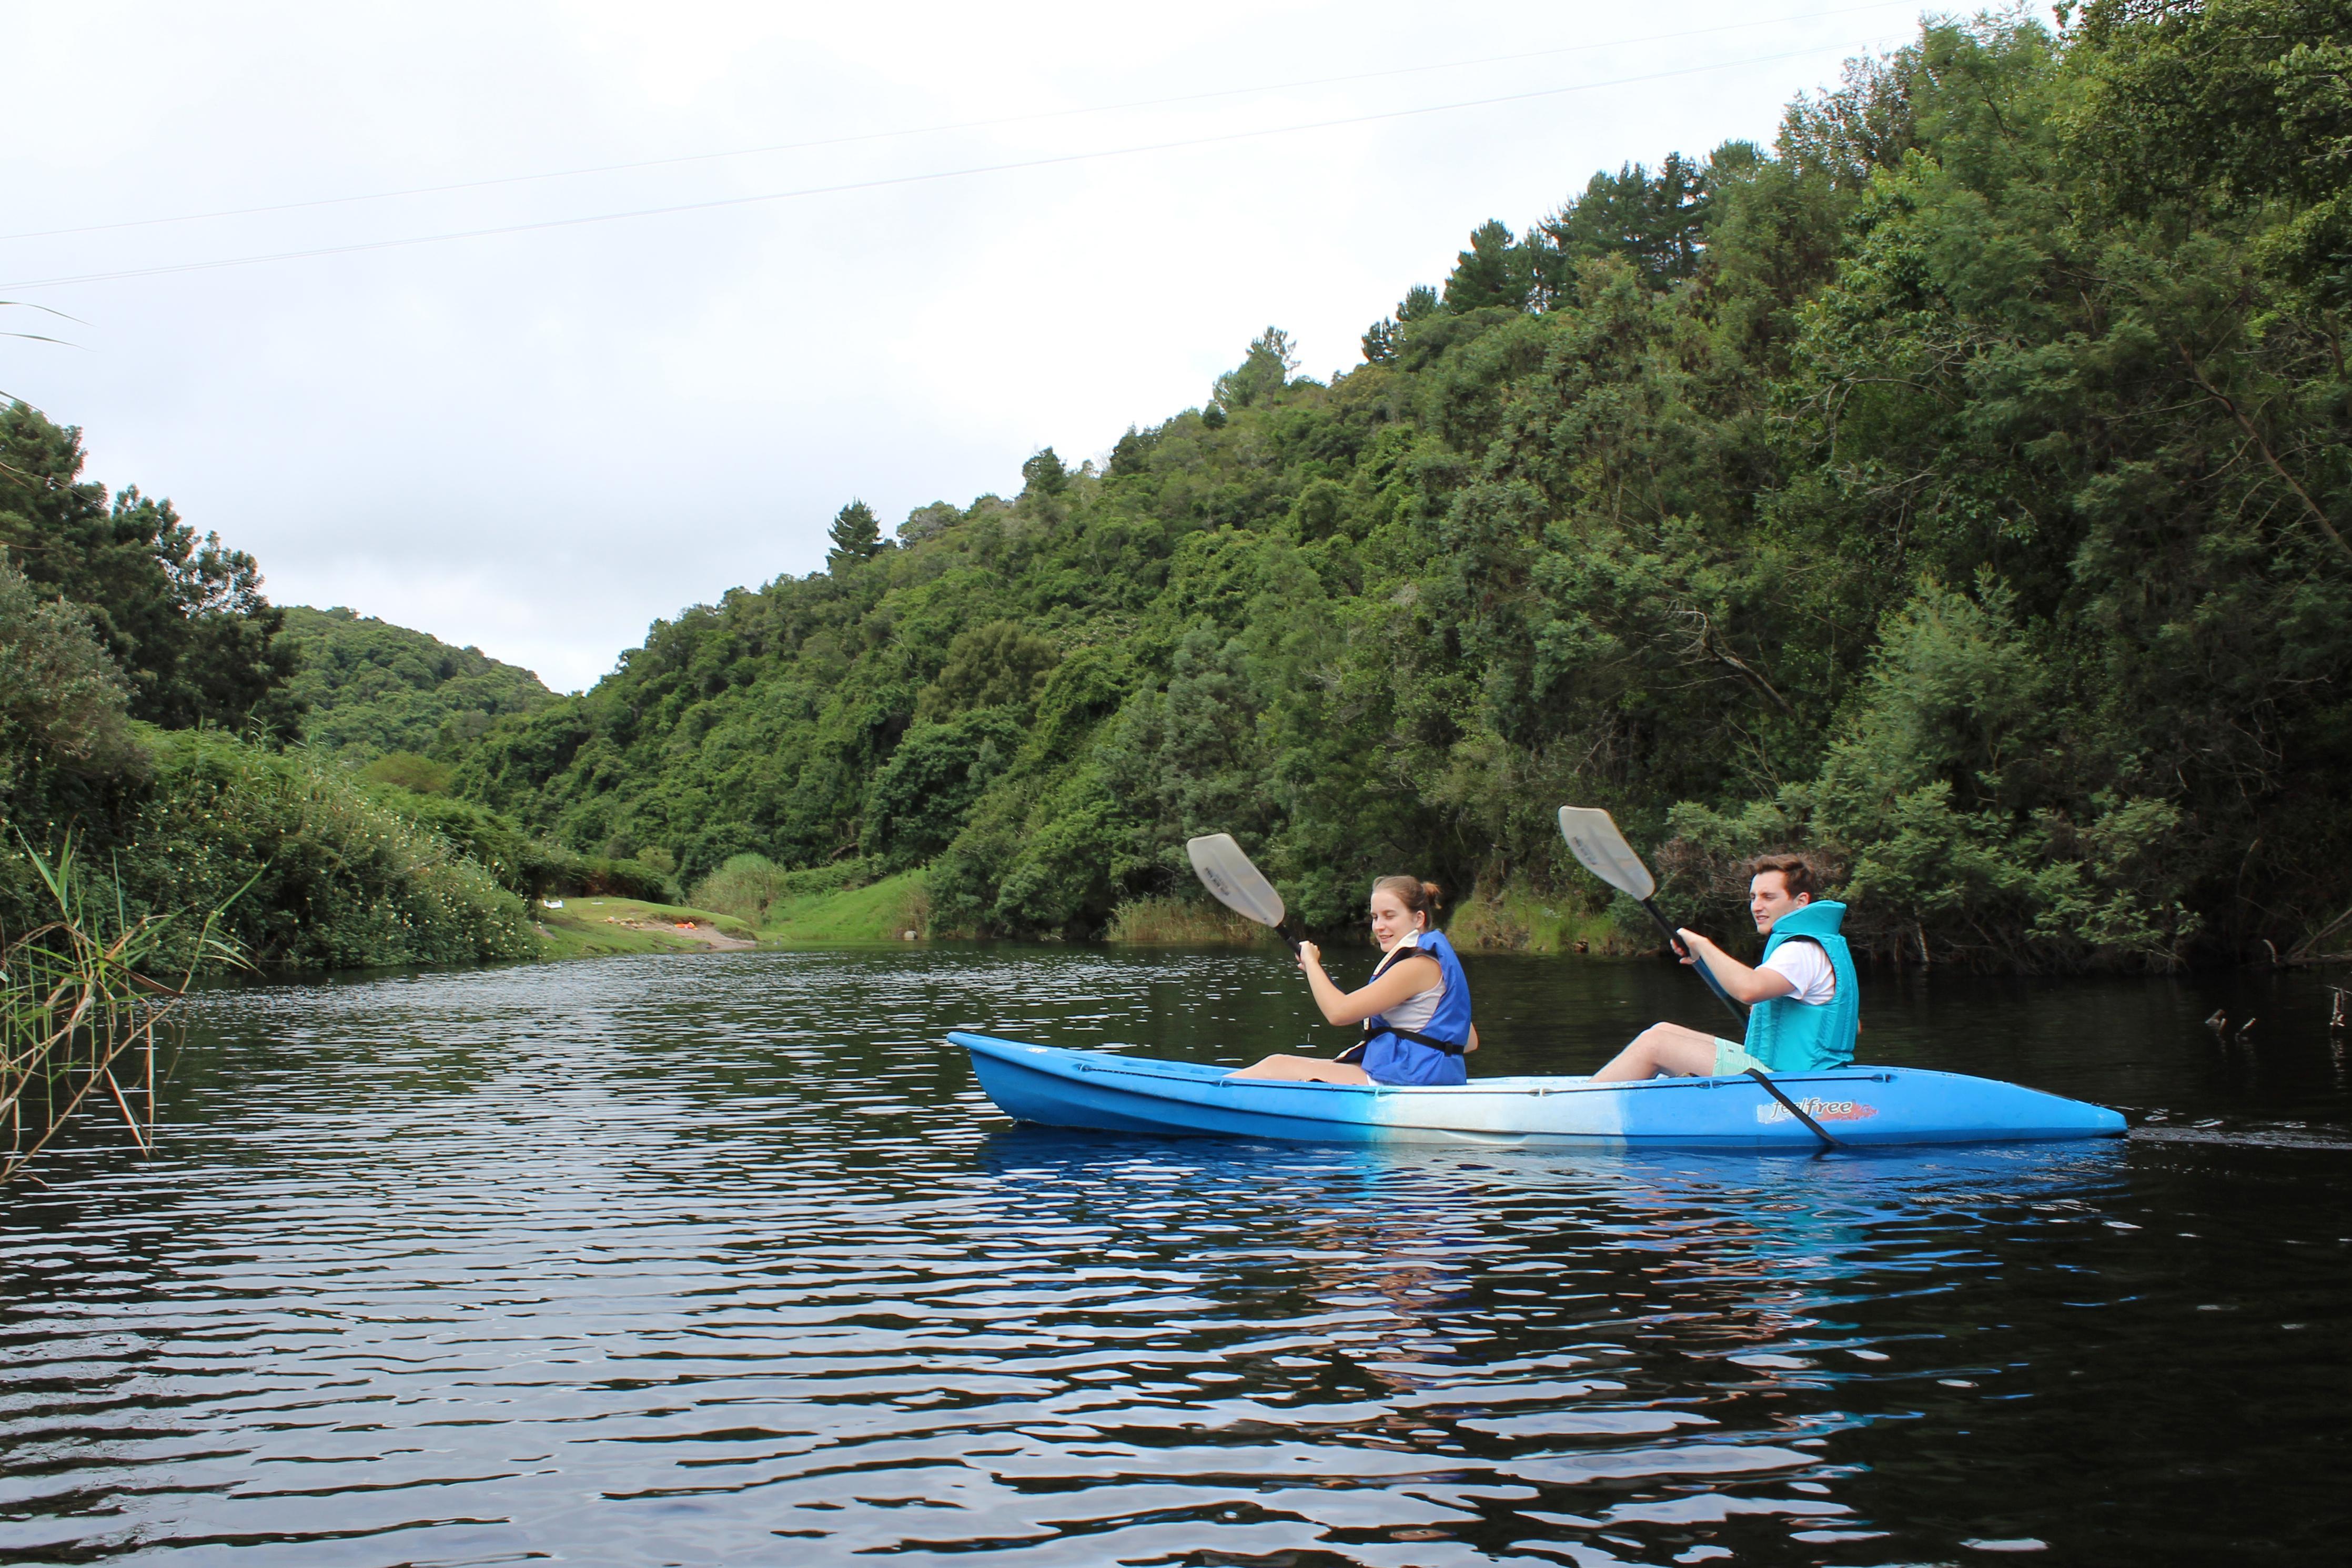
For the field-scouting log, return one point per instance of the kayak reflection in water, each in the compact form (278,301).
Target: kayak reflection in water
(1415,1010)
(1806,1001)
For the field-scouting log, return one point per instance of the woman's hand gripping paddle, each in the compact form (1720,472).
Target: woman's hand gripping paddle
(1237,884)
(1595,840)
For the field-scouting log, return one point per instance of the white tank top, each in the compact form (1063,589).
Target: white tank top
(1415,1011)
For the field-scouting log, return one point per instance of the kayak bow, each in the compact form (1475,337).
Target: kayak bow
(1858,1105)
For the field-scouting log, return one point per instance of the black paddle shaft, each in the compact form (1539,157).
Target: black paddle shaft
(1794,1109)
(1673,940)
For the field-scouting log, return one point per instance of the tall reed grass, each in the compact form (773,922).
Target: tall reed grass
(79,994)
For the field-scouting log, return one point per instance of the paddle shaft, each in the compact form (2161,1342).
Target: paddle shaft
(1793,1108)
(1675,940)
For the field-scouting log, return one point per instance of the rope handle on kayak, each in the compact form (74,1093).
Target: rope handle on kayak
(1793,1108)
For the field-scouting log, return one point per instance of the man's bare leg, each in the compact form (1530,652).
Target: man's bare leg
(1304,1070)
(1662,1048)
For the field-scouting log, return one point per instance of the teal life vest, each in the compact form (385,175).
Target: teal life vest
(1432,1055)
(1790,1036)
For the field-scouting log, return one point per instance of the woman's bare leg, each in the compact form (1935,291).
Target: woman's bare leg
(1662,1048)
(1304,1070)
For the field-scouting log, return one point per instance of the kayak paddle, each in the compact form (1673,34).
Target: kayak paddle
(1596,842)
(1236,883)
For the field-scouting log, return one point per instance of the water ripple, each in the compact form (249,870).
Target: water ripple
(725,1261)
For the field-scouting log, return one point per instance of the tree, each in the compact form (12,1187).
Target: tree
(1045,475)
(62,703)
(856,535)
(1654,222)
(182,615)
(1266,370)
(1493,271)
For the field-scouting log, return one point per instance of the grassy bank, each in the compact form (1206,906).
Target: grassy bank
(1518,920)
(883,911)
(1181,923)
(592,927)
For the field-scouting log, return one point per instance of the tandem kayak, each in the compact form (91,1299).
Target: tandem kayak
(1871,1106)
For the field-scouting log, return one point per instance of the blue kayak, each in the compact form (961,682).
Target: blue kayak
(1858,1105)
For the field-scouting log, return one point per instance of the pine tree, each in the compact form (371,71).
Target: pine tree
(856,535)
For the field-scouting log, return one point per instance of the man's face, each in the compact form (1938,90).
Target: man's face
(1767,899)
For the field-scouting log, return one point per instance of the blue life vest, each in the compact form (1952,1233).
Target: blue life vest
(1790,1036)
(1428,1055)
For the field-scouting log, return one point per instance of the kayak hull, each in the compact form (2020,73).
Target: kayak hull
(1865,1106)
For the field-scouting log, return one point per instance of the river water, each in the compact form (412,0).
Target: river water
(723,1259)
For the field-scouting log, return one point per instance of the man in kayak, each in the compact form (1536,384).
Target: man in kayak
(1415,1010)
(1805,1002)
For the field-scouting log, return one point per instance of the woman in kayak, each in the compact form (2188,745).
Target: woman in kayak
(1415,1010)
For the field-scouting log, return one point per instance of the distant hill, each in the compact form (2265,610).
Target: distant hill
(376,687)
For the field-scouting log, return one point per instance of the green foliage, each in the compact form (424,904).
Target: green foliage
(744,887)
(919,797)
(1958,487)
(344,879)
(1263,371)
(62,702)
(183,616)
(856,535)
(2231,113)
(993,665)
(370,688)
(407,771)
(1043,474)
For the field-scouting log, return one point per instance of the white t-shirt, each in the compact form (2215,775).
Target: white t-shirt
(1415,1011)
(1807,967)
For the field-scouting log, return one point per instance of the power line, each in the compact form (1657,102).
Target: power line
(886,182)
(940,129)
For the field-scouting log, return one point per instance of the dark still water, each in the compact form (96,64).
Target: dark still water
(723,1259)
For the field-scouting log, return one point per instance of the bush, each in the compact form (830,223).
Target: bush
(316,871)
(749,885)
(744,887)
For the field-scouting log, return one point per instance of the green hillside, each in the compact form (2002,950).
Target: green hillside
(372,688)
(1957,487)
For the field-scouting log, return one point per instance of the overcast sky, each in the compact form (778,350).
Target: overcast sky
(537,441)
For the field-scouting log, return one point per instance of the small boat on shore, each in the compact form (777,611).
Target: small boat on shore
(1858,1105)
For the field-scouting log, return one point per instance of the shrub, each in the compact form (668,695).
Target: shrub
(316,871)
(744,887)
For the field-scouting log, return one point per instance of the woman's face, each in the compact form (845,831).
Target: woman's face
(1390,919)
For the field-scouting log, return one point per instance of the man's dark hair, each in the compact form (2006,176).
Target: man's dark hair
(1797,873)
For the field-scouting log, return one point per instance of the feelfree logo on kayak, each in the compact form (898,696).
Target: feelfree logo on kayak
(1819,1110)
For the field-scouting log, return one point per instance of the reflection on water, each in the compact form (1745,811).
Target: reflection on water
(723,1259)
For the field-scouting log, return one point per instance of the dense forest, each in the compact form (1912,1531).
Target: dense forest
(1957,487)
(369,689)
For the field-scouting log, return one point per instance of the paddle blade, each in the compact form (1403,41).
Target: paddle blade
(1604,852)
(1237,884)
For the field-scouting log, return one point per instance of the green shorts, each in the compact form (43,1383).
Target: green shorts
(1731,1057)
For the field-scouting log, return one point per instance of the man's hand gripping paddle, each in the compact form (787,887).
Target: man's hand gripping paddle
(1237,884)
(1604,852)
